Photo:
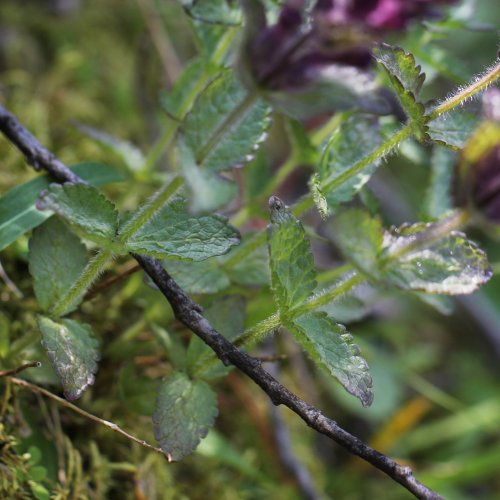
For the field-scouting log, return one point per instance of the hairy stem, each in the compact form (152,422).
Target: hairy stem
(149,209)
(481,83)
(83,283)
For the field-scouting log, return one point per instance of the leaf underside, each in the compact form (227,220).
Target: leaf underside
(72,351)
(185,410)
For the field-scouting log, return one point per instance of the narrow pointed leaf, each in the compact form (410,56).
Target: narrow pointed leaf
(406,79)
(175,233)
(73,352)
(354,140)
(18,213)
(131,155)
(225,124)
(292,265)
(83,207)
(185,411)
(453,265)
(56,258)
(453,129)
(331,347)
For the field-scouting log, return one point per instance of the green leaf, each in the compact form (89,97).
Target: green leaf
(214,11)
(18,213)
(292,265)
(175,233)
(453,129)
(335,88)
(225,124)
(406,79)
(359,237)
(331,347)
(185,410)
(452,265)
(355,139)
(72,350)
(227,316)
(56,258)
(209,190)
(438,198)
(84,208)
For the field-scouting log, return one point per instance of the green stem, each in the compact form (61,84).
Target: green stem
(328,296)
(333,274)
(490,76)
(82,284)
(242,251)
(368,160)
(247,339)
(148,210)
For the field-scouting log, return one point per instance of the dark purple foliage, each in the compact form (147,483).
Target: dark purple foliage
(288,55)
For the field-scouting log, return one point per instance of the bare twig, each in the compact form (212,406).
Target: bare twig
(188,313)
(110,425)
(15,371)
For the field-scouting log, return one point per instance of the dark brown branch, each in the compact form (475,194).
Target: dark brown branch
(189,314)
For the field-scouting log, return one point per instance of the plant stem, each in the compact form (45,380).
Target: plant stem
(83,283)
(256,333)
(110,425)
(248,338)
(149,209)
(328,296)
(490,76)
(372,157)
